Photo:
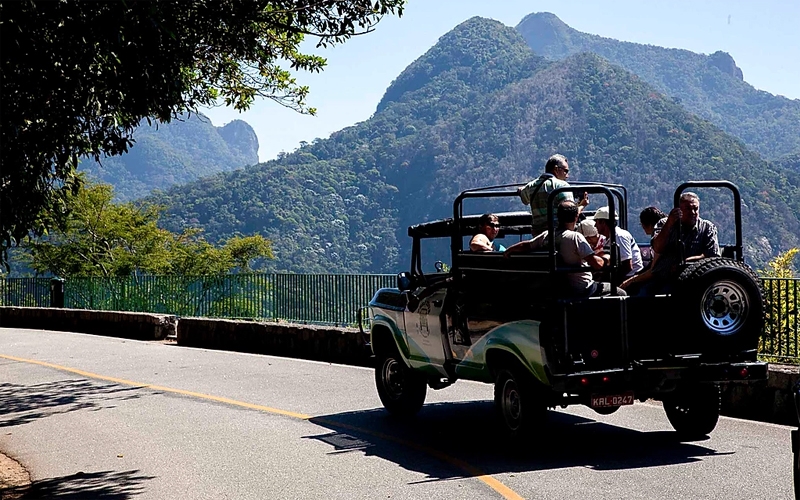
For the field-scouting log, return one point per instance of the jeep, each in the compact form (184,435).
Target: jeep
(507,321)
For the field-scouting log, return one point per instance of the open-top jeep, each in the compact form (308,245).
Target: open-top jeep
(508,320)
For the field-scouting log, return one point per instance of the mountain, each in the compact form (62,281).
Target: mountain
(166,154)
(480,108)
(711,86)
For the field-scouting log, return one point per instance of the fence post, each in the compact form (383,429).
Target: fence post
(57,292)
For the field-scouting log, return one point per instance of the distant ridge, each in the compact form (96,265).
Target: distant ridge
(480,108)
(166,154)
(710,85)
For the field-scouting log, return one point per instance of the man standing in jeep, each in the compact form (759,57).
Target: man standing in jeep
(535,193)
(682,230)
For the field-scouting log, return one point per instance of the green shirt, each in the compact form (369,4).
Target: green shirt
(539,202)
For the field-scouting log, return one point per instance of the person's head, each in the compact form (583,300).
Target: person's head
(558,166)
(649,218)
(690,208)
(567,213)
(601,217)
(587,228)
(489,224)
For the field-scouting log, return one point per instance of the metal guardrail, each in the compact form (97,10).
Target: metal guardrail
(780,339)
(325,299)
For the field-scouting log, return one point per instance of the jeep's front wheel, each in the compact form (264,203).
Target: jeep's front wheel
(519,403)
(693,411)
(402,391)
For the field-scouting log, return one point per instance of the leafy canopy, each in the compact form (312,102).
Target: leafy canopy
(79,76)
(101,238)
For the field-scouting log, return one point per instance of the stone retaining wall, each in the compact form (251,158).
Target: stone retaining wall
(336,345)
(129,325)
(770,401)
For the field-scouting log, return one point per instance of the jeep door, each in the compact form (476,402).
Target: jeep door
(424,333)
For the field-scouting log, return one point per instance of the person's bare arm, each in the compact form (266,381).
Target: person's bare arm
(595,262)
(480,243)
(639,278)
(660,241)
(521,247)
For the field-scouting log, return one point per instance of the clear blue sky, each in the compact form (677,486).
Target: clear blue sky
(762,36)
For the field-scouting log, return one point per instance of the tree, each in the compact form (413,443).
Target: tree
(101,239)
(78,77)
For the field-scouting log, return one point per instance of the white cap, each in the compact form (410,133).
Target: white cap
(602,213)
(586,228)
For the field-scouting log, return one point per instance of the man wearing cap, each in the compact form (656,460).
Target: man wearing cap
(535,193)
(587,228)
(630,257)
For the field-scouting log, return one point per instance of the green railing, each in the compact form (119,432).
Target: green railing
(25,292)
(780,339)
(332,299)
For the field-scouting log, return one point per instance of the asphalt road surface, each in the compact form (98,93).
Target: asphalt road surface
(96,417)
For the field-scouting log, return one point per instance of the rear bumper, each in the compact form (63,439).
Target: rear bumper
(646,380)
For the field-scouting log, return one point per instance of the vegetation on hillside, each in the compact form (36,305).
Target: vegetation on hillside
(449,123)
(180,151)
(711,86)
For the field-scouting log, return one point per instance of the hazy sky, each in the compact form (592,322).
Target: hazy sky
(762,36)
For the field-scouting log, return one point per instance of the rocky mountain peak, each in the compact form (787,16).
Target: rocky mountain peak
(725,63)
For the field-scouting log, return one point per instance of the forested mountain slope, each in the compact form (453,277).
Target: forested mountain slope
(710,85)
(166,154)
(480,108)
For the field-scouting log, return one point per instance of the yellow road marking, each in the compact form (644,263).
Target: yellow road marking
(490,481)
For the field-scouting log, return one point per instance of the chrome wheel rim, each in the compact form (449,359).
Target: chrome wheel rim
(393,378)
(512,404)
(725,307)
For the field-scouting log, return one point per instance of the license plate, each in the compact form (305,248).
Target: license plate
(605,401)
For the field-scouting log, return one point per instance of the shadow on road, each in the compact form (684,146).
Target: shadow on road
(21,404)
(455,434)
(105,485)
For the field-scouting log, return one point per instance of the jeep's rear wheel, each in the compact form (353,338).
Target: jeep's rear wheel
(519,402)
(402,391)
(722,298)
(693,411)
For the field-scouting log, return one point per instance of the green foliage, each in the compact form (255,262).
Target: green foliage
(100,238)
(79,76)
(781,337)
(343,204)
(178,152)
(711,86)
(781,266)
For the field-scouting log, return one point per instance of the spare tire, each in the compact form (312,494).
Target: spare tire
(722,299)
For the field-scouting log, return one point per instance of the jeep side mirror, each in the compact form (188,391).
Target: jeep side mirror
(404,282)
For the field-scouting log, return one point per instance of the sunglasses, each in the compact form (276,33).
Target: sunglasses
(493,224)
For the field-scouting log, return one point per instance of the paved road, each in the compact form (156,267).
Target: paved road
(95,417)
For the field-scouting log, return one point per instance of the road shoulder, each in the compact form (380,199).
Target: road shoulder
(14,479)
